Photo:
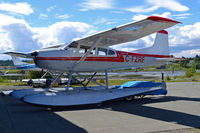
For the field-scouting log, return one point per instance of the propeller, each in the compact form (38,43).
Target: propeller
(34,56)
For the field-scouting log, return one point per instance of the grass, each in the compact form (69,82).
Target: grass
(194,78)
(115,80)
(7,83)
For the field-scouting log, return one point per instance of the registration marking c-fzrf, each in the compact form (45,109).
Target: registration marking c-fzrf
(132,58)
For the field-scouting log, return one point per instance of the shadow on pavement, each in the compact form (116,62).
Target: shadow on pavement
(24,118)
(137,107)
(17,117)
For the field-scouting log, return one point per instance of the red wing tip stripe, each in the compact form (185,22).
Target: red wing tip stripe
(163,32)
(161,19)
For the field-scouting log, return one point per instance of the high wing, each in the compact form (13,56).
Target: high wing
(55,46)
(126,33)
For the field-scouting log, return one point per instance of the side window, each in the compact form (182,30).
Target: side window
(81,51)
(84,50)
(93,51)
(111,52)
(102,51)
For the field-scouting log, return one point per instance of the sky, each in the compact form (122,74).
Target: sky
(30,25)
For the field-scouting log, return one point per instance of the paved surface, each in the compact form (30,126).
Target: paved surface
(179,111)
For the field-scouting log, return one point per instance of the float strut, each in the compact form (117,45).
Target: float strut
(69,81)
(52,83)
(162,76)
(90,79)
(44,74)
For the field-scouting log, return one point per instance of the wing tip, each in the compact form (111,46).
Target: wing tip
(163,32)
(161,19)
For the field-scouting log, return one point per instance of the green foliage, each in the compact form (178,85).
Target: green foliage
(13,71)
(175,77)
(1,79)
(6,63)
(174,66)
(37,74)
(190,72)
(192,69)
(167,78)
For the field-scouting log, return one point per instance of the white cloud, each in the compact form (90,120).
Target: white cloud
(49,9)
(117,12)
(182,16)
(19,36)
(18,8)
(165,14)
(152,5)
(43,16)
(100,21)
(141,9)
(183,41)
(61,32)
(141,16)
(64,16)
(6,20)
(94,4)
(5,43)
(188,53)
(106,21)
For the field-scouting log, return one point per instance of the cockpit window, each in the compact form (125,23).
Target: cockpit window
(83,49)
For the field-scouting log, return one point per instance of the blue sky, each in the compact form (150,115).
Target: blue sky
(31,25)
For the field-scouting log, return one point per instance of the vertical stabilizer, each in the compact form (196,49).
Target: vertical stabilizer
(160,46)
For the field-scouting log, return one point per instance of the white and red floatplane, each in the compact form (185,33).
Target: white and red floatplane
(92,54)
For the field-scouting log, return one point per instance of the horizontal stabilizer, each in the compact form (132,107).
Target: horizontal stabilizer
(16,60)
(23,55)
(169,59)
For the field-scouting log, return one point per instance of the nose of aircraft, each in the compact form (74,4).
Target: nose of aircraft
(35,53)
(40,57)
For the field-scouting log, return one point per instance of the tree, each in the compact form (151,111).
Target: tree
(37,74)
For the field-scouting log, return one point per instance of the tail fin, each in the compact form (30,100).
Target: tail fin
(160,46)
(17,61)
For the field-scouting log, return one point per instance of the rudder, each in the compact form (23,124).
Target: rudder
(160,46)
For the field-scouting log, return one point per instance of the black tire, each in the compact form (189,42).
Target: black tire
(30,82)
(48,82)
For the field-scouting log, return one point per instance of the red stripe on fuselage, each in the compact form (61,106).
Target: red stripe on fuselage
(119,57)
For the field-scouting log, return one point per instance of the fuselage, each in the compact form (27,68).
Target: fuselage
(99,59)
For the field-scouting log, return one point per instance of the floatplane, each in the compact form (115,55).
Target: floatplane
(93,54)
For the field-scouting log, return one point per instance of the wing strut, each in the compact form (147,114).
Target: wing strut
(80,61)
(86,54)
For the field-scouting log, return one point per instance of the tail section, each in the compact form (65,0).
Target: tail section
(160,46)
(17,61)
